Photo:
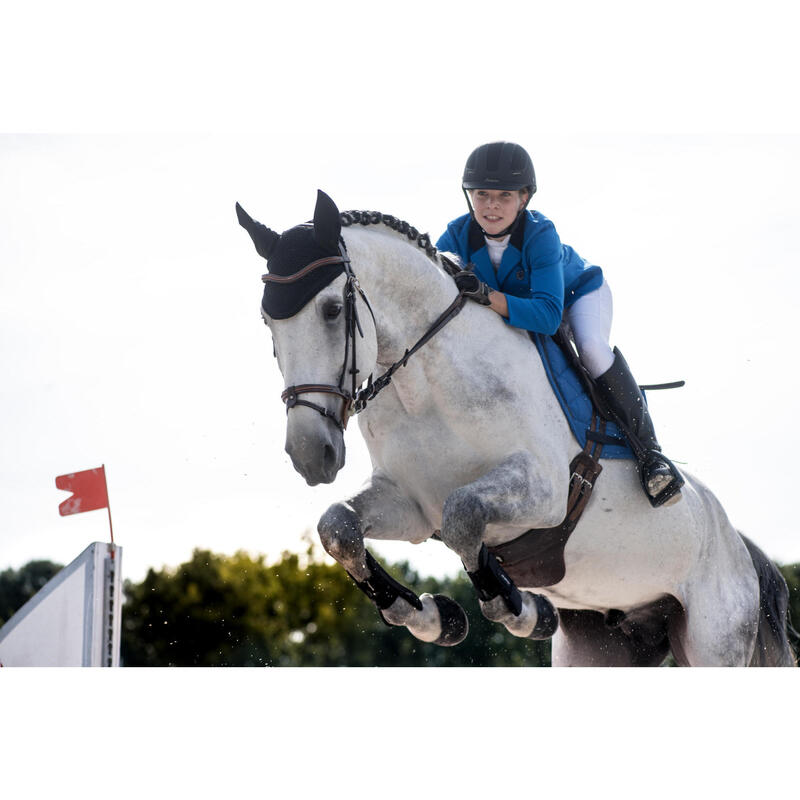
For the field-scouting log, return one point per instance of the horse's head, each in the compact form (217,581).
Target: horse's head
(322,331)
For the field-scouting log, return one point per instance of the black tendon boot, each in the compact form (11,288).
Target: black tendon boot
(660,478)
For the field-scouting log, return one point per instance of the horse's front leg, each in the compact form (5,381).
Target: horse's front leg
(381,511)
(508,494)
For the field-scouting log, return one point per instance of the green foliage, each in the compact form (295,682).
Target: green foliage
(792,574)
(18,586)
(218,610)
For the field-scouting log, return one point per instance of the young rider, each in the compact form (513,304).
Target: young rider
(526,275)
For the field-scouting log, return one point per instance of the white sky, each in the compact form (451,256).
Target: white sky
(666,148)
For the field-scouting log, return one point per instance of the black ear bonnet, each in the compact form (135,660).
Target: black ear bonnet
(296,249)
(293,250)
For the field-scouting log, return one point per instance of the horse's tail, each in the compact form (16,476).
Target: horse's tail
(774,627)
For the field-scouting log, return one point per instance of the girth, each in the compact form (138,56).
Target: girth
(536,558)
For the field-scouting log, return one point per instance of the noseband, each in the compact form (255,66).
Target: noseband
(354,400)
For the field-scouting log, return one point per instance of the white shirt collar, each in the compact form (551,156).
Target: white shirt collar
(496,248)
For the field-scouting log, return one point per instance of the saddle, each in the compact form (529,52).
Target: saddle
(577,394)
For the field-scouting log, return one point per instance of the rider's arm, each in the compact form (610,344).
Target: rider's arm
(544,281)
(543,268)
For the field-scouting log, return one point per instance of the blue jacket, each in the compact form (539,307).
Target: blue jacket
(539,275)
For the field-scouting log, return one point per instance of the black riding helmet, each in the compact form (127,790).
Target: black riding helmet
(499,165)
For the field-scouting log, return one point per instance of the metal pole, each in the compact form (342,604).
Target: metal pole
(108,506)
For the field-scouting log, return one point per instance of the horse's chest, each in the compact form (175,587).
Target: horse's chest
(423,457)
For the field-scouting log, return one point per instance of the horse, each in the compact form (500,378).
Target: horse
(469,445)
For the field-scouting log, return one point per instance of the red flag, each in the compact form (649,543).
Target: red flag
(89,491)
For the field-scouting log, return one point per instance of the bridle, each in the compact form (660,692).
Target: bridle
(354,400)
(291,395)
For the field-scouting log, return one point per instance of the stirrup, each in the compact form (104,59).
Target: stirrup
(671,489)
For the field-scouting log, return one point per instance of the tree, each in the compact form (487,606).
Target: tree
(18,586)
(791,572)
(218,610)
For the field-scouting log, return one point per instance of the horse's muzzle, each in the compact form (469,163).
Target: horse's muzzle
(317,455)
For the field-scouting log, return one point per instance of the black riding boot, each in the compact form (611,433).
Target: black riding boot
(660,478)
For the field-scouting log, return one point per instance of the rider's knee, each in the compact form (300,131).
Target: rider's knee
(596,355)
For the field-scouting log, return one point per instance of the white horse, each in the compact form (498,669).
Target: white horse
(468,443)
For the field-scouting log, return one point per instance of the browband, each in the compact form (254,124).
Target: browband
(321,262)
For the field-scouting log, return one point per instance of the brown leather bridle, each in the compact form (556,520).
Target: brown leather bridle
(291,395)
(354,400)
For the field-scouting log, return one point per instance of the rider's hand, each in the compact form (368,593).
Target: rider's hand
(472,287)
(498,303)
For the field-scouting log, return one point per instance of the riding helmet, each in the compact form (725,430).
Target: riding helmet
(499,165)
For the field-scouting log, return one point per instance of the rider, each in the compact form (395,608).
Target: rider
(529,278)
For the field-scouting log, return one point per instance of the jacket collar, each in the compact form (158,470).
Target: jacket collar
(476,240)
(479,253)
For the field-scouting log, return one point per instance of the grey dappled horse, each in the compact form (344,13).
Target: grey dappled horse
(468,442)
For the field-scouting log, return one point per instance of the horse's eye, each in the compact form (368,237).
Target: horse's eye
(332,310)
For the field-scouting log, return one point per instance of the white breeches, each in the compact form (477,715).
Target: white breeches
(590,319)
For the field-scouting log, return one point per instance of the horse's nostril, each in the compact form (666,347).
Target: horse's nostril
(329,457)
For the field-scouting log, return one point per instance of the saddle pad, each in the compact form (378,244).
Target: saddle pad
(575,403)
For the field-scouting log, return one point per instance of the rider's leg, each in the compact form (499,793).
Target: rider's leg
(590,319)
(661,479)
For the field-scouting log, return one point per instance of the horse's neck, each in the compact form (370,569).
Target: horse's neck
(405,289)
(474,357)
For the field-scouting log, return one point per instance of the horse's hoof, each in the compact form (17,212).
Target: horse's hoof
(546,618)
(440,621)
(455,625)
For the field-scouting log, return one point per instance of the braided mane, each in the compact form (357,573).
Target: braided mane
(422,240)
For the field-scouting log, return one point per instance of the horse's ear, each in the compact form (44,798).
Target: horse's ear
(327,222)
(263,238)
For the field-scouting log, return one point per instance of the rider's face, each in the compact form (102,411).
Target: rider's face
(496,209)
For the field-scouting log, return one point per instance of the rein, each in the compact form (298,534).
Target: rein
(354,400)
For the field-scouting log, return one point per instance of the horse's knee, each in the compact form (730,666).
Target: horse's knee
(339,531)
(464,513)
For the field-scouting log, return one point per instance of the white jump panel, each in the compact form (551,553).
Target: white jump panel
(74,620)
